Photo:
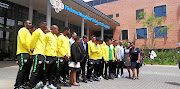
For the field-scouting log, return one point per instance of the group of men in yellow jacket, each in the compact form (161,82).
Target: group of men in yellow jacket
(101,53)
(50,55)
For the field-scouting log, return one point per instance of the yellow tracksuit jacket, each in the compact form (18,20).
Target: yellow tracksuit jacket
(115,56)
(51,45)
(23,41)
(89,43)
(101,53)
(94,50)
(38,42)
(63,46)
(106,52)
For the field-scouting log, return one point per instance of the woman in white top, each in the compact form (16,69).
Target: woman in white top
(127,62)
(152,56)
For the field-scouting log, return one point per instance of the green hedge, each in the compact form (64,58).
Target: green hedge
(170,57)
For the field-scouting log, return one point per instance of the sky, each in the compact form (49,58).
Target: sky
(87,0)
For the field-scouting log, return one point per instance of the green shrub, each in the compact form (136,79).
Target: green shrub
(164,57)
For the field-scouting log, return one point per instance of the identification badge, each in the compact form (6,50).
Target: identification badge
(25,60)
(61,60)
(47,62)
(39,62)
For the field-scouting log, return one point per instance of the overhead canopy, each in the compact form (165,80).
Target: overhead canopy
(78,5)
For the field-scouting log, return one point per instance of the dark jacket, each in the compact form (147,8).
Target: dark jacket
(84,52)
(75,53)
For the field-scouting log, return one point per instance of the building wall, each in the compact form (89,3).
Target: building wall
(127,19)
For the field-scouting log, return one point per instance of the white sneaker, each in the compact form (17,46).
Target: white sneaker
(101,78)
(52,86)
(45,87)
(40,84)
(119,76)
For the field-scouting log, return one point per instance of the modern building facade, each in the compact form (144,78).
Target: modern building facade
(81,17)
(127,12)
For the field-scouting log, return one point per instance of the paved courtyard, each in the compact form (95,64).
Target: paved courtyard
(151,77)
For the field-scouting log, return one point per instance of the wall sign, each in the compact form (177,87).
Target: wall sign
(58,6)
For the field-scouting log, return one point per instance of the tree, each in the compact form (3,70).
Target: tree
(151,22)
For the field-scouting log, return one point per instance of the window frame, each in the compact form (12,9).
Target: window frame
(128,34)
(137,18)
(160,6)
(110,15)
(163,32)
(117,14)
(142,28)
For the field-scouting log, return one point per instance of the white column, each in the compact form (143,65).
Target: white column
(30,17)
(88,30)
(102,33)
(66,22)
(48,15)
(82,27)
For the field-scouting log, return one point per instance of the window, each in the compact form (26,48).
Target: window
(160,32)
(117,15)
(91,3)
(124,34)
(110,16)
(138,14)
(103,1)
(141,33)
(111,0)
(96,2)
(160,11)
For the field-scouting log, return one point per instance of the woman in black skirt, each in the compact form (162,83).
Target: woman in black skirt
(134,56)
(74,64)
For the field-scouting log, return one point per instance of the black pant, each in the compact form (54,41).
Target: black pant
(106,68)
(101,67)
(23,60)
(29,65)
(114,67)
(120,64)
(50,68)
(62,68)
(83,67)
(110,68)
(90,68)
(96,68)
(37,69)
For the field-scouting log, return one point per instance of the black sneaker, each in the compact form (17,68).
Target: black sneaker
(91,79)
(85,81)
(116,76)
(28,87)
(77,80)
(20,87)
(68,78)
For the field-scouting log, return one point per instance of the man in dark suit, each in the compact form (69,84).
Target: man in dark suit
(84,51)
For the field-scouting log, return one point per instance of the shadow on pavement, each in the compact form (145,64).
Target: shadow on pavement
(7,64)
(173,83)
